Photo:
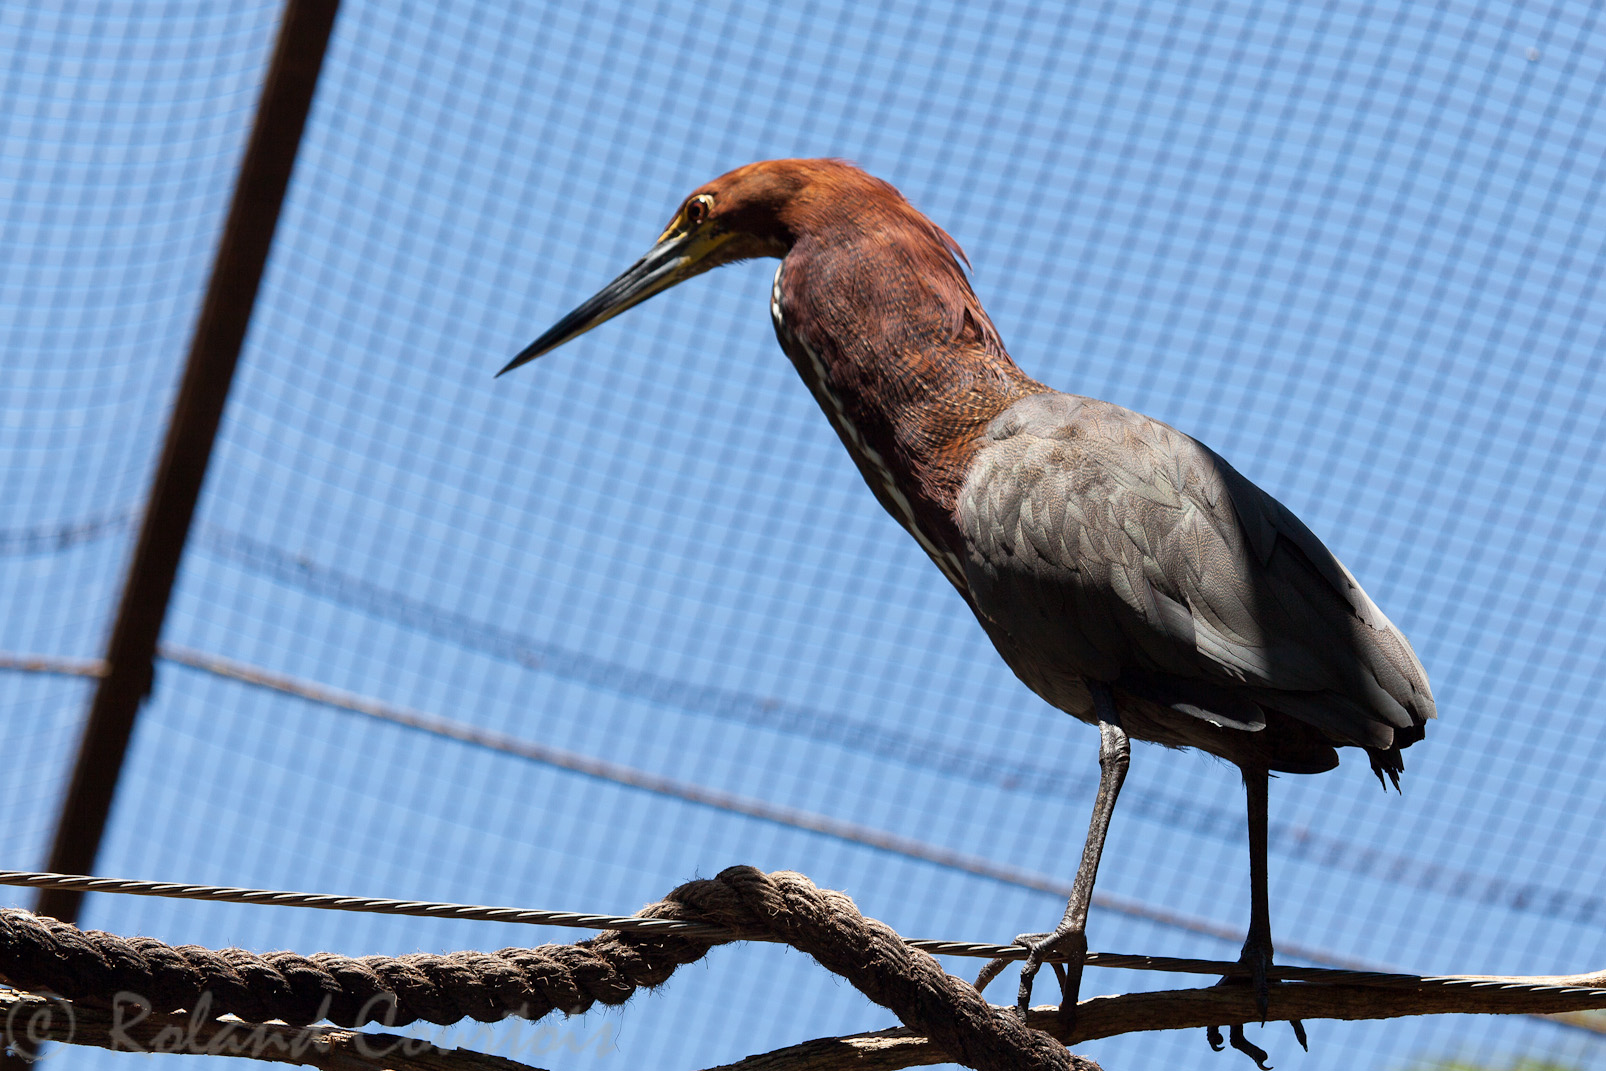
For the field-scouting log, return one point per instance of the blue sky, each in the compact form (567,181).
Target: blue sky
(1355,249)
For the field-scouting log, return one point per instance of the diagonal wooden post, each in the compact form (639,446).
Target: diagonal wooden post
(214,351)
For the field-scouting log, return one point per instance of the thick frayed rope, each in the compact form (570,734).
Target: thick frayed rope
(90,965)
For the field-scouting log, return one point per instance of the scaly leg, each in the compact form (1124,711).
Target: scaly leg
(1070,936)
(1257,951)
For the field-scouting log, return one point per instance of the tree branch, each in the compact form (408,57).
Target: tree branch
(1181,1009)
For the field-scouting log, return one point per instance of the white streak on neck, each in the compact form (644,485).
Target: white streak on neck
(836,412)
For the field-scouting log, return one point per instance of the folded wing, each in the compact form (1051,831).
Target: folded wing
(1108,545)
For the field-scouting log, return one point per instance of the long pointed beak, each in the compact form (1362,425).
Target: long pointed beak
(667,263)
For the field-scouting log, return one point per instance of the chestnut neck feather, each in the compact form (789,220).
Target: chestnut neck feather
(902,349)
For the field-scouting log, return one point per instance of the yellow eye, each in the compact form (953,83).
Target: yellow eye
(698,208)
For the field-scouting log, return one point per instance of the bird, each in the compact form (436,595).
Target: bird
(1123,570)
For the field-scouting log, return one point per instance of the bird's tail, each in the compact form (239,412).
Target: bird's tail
(1389,762)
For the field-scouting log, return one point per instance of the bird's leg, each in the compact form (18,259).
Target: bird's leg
(1070,936)
(1257,950)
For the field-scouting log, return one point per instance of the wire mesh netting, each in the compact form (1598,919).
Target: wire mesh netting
(1356,250)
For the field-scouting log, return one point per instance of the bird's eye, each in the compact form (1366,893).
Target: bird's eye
(697,209)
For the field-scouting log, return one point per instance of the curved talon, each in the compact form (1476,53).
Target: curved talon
(1299,1033)
(1248,1048)
(1262,992)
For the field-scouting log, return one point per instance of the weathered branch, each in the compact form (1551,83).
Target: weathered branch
(29,1020)
(1180,1009)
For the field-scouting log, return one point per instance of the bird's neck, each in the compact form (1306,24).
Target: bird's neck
(908,369)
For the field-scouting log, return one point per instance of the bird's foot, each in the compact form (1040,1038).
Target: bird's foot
(1236,1035)
(1256,959)
(1069,943)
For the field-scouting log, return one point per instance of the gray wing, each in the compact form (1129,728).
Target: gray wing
(1108,545)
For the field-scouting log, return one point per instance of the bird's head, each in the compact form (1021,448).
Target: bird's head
(755,211)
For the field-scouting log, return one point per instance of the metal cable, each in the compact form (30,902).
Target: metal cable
(618,773)
(1295,844)
(633,924)
(1292,842)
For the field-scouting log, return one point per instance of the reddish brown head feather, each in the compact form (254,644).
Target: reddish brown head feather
(775,204)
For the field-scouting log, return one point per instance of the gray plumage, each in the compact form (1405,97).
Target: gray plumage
(1106,545)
